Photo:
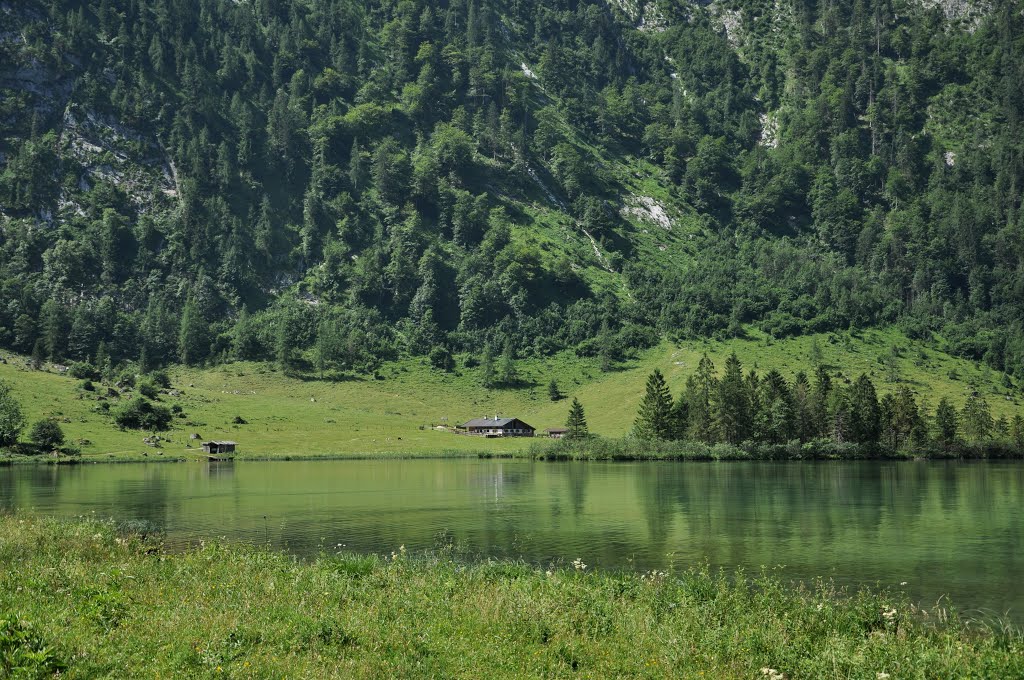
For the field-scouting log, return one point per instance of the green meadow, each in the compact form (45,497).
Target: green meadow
(85,601)
(399,411)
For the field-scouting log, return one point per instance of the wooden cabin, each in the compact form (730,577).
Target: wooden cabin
(557,432)
(218,448)
(497,427)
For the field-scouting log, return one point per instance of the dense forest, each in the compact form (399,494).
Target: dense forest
(333,183)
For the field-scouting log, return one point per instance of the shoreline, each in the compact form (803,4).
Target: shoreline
(558,455)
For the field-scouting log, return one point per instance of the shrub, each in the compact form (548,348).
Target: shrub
(83,370)
(160,379)
(239,420)
(47,435)
(148,389)
(88,386)
(141,414)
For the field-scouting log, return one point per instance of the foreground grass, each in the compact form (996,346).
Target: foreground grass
(82,599)
(290,416)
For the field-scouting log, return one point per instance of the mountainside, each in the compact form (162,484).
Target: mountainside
(332,184)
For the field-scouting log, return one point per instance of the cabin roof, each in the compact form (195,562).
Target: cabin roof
(492,422)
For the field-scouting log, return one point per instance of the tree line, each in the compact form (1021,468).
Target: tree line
(738,407)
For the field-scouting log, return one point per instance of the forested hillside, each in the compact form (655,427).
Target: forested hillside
(333,183)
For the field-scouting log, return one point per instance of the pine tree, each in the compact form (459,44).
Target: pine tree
(653,421)
(945,424)
(577,421)
(803,409)
(554,394)
(38,354)
(193,336)
(732,403)
(865,415)
(1017,432)
(700,388)
(820,401)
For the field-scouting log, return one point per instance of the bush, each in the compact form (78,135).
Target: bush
(83,370)
(88,386)
(160,379)
(141,414)
(148,389)
(47,435)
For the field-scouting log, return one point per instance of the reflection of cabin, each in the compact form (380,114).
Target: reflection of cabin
(217,448)
(557,432)
(497,427)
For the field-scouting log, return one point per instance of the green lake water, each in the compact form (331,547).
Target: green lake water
(943,528)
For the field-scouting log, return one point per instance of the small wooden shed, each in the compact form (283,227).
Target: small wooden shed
(217,448)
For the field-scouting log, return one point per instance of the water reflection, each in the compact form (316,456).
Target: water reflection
(946,528)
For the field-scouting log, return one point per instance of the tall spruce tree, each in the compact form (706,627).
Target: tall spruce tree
(577,421)
(653,421)
(945,430)
(732,404)
(700,390)
(865,415)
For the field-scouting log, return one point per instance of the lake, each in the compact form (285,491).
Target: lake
(942,528)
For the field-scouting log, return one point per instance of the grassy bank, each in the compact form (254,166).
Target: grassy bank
(302,416)
(822,449)
(81,598)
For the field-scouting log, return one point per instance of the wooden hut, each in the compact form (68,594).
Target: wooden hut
(215,448)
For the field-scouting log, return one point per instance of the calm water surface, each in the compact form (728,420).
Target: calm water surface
(944,528)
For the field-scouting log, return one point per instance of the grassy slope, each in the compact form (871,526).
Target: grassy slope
(104,605)
(289,416)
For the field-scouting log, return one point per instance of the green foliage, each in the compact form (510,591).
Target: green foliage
(554,393)
(576,424)
(654,419)
(47,435)
(23,653)
(321,150)
(142,414)
(12,421)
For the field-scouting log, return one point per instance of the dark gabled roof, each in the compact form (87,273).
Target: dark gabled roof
(492,422)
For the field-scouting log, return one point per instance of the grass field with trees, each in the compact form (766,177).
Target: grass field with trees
(300,415)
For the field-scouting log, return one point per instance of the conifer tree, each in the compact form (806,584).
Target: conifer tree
(732,412)
(945,423)
(820,401)
(653,421)
(577,421)
(865,415)
(554,394)
(700,388)
(1017,432)
(193,340)
(38,354)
